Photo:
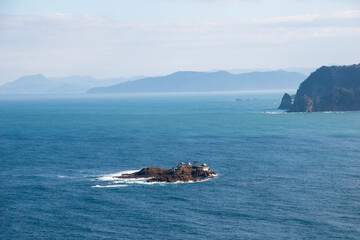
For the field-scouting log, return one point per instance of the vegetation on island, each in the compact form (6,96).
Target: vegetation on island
(335,88)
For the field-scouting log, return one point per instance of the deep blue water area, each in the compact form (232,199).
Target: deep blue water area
(279,175)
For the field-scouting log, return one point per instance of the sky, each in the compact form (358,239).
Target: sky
(113,38)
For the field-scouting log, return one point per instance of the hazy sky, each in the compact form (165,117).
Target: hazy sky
(109,38)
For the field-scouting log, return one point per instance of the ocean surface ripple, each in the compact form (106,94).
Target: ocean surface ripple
(280,176)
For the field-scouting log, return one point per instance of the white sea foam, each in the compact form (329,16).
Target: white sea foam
(114,181)
(326,112)
(274,112)
(332,112)
(112,176)
(130,180)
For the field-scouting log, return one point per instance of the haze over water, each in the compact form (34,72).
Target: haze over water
(280,176)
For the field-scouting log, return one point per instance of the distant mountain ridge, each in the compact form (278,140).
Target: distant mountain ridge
(39,84)
(306,71)
(183,81)
(188,81)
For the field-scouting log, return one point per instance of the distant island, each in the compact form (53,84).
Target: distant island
(188,81)
(184,172)
(335,88)
(184,81)
(39,84)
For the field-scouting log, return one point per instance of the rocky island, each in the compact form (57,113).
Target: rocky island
(286,102)
(335,88)
(184,172)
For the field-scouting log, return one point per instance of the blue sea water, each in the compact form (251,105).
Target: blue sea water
(279,175)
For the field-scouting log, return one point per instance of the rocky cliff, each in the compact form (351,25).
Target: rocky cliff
(335,88)
(286,102)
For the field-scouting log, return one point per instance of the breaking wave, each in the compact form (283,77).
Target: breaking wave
(114,181)
(113,176)
(326,112)
(274,112)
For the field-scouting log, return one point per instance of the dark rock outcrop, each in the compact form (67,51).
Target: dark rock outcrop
(286,102)
(182,174)
(335,88)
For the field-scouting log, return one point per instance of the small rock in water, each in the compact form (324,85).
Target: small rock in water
(182,173)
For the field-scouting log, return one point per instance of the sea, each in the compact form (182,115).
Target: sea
(279,175)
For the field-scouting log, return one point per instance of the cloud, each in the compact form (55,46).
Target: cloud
(64,44)
(346,14)
(307,18)
(67,24)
